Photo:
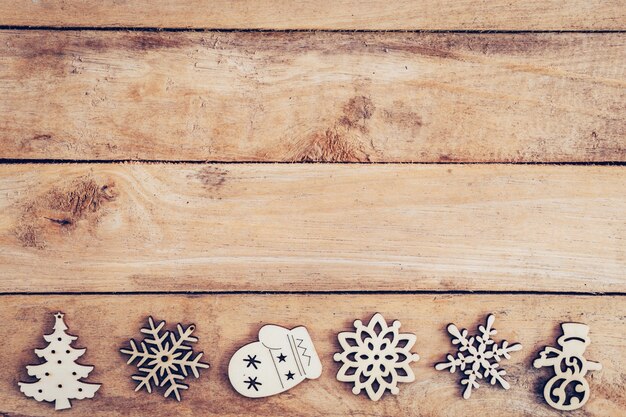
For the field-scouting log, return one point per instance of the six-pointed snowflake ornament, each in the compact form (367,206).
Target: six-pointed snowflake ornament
(376,357)
(164,358)
(478,356)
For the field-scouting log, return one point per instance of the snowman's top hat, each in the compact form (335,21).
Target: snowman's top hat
(575,331)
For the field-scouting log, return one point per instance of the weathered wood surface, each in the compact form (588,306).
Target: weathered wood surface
(283,227)
(226,322)
(391,97)
(336,14)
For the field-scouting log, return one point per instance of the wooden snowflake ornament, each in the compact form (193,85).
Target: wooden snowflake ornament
(478,356)
(164,358)
(281,359)
(568,389)
(59,377)
(376,357)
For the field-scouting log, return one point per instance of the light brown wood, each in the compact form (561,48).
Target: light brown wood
(358,97)
(336,14)
(226,322)
(283,227)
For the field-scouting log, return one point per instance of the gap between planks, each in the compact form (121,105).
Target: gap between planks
(347,292)
(227,30)
(217,162)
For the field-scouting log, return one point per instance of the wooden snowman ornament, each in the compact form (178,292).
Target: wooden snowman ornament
(568,389)
(277,362)
(59,377)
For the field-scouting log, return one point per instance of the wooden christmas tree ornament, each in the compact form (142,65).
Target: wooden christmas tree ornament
(376,357)
(59,377)
(568,389)
(277,362)
(478,356)
(164,358)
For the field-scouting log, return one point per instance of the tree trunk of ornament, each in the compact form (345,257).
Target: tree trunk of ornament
(62,404)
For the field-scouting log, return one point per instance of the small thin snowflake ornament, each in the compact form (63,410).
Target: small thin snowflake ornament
(59,377)
(376,357)
(478,356)
(164,358)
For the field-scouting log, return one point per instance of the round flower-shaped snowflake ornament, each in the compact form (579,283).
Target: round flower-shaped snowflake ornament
(376,357)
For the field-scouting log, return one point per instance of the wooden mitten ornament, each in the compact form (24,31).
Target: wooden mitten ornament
(164,358)
(568,389)
(478,356)
(59,377)
(277,362)
(376,357)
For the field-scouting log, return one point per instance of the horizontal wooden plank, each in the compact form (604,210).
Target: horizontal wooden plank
(191,227)
(337,14)
(329,97)
(226,322)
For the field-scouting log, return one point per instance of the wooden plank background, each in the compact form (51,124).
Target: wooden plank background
(323,97)
(336,14)
(182,227)
(153,163)
(226,322)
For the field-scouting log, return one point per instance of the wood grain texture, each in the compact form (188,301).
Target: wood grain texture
(336,14)
(283,227)
(326,97)
(226,322)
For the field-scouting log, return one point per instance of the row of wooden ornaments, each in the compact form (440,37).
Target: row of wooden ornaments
(375,358)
